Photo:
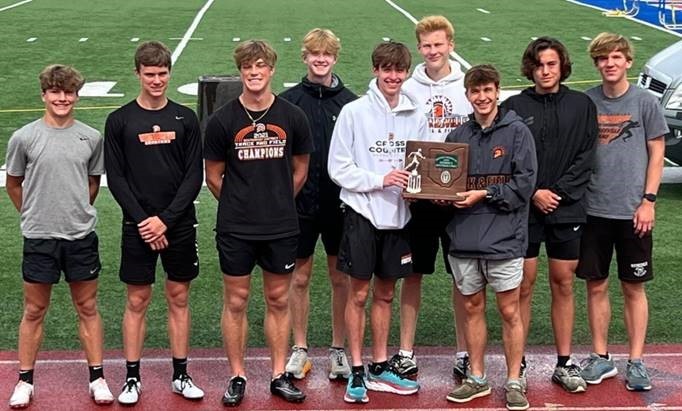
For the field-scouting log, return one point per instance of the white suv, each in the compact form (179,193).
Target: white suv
(662,76)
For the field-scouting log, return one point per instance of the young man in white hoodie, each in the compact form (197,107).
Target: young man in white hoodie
(437,86)
(366,159)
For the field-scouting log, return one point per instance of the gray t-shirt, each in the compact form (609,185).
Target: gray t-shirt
(55,164)
(625,124)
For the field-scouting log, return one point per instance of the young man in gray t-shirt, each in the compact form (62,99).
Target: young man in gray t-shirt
(54,166)
(620,204)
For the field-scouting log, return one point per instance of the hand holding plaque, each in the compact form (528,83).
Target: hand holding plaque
(437,170)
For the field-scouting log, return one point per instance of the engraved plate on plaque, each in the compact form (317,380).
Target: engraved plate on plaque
(437,170)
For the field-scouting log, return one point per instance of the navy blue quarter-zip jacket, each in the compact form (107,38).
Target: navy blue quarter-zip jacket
(502,160)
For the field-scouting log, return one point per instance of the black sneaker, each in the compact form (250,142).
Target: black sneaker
(283,387)
(235,391)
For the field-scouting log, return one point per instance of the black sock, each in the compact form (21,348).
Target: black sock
(179,367)
(337,348)
(561,360)
(377,367)
(358,369)
(523,362)
(604,356)
(96,371)
(26,376)
(133,369)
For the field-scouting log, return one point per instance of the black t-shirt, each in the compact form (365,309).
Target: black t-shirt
(257,197)
(153,161)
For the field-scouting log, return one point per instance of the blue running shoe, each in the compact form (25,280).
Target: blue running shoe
(390,381)
(637,377)
(356,391)
(595,369)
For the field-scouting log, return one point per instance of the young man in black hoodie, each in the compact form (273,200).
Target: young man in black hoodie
(564,126)
(320,94)
(152,150)
(489,230)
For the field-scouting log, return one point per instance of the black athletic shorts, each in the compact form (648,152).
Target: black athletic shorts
(328,226)
(562,241)
(45,259)
(633,254)
(365,250)
(180,259)
(427,229)
(238,256)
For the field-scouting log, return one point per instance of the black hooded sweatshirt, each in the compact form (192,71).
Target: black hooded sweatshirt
(319,196)
(564,126)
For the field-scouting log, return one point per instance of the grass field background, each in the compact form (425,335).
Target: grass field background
(107,56)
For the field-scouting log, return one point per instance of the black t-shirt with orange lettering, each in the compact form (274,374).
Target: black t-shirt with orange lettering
(153,161)
(257,196)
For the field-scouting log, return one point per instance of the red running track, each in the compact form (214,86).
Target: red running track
(61,383)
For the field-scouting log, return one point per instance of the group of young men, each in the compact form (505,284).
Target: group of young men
(578,171)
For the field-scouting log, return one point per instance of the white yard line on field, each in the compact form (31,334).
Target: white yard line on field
(188,34)
(410,17)
(11,6)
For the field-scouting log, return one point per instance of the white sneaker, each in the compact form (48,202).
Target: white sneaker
(338,364)
(100,393)
(185,387)
(21,396)
(299,364)
(130,393)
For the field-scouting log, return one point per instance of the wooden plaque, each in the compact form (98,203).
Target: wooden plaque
(437,170)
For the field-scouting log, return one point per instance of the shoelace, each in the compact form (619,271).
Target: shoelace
(357,380)
(185,381)
(573,370)
(339,357)
(638,369)
(130,384)
(588,362)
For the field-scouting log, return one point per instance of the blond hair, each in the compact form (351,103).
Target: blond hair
(320,41)
(605,43)
(429,24)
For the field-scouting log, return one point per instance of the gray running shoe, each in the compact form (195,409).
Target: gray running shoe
(515,396)
(338,364)
(461,368)
(596,368)
(299,364)
(470,388)
(636,376)
(569,378)
(406,367)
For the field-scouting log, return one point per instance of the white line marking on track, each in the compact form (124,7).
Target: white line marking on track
(189,39)
(235,39)
(135,39)
(586,38)
(485,39)
(11,6)
(484,11)
(410,17)
(188,34)
(31,39)
(287,39)
(673,32)
(534,38)
(83,40)
(315,357)
(287,85)
(636,38)
(386,38)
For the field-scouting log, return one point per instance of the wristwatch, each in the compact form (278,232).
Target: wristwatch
(489,193)
(651,197)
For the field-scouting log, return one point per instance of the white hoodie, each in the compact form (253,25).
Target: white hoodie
(368,142)
(443,102)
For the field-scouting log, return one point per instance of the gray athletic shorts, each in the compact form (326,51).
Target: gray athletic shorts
(472,274)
